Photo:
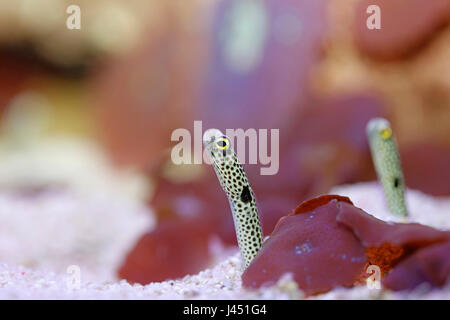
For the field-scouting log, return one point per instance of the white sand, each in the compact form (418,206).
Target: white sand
(56,229)
(57,248)
(62,203)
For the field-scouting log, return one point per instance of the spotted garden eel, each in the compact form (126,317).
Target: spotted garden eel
(234,182)
(387,164)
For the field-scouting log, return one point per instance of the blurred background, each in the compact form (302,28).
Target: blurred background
(86,118)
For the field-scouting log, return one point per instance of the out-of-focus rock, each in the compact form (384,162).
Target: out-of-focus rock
(107,28)
(261,55)
(415,88)
(426,168)
(405,25)
(13,76)
(144,96)
(172,250)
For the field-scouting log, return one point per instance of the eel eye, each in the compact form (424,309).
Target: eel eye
(386,133)
(223,143)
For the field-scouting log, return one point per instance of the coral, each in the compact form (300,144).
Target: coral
(327,242)
(373,232)
(430,265)
(319,252)
(173,250)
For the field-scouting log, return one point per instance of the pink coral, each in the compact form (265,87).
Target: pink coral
(327,242)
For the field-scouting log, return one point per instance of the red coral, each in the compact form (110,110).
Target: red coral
(311,204)
(384,256)
(374,232)
(319,252)
(174,249)
(327,242)
(430,265)
(410,254)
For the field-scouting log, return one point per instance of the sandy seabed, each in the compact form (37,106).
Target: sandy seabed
(36,254)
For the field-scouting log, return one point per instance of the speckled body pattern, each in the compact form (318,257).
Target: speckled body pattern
(387,164)
(240,195)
